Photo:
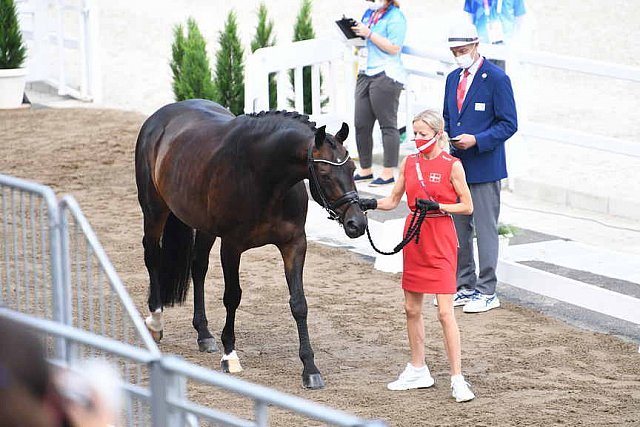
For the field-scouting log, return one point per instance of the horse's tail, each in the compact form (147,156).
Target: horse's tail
(176,255)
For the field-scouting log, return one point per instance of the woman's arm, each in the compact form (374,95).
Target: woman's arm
(393,200)
(380,41)
(459,181)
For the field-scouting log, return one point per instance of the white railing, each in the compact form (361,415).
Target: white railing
(61,37)
(431,63)
(331,62)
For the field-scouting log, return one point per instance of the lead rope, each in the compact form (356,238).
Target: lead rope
(412,232)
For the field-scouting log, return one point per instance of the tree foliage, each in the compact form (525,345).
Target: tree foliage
(264,37)
(13,51)
(229,80)
(190,64)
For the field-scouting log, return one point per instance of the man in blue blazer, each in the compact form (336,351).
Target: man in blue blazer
(479,115)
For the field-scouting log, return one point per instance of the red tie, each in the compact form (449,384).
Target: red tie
(462,88)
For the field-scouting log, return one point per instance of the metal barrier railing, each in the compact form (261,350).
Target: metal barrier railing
(97,301)
(56,278)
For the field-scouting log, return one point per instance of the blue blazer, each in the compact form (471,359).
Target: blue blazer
(489,113)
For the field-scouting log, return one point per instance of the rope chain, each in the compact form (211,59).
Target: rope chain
(412,232)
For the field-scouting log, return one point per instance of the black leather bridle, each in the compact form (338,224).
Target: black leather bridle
(349,197)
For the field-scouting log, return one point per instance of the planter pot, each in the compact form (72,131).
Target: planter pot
(12,83)
(503,246)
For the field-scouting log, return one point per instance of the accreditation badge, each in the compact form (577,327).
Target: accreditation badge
(363,54)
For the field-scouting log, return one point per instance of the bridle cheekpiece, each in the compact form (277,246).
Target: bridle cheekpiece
(349,197)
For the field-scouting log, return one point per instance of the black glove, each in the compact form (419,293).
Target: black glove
(366,204)
(428,205)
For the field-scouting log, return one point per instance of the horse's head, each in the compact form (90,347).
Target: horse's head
(331,180)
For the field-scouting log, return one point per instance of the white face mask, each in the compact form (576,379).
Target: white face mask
(464,61)
(377,4)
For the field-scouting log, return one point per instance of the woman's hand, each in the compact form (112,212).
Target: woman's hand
(367,204)
(428,205)
(362,30)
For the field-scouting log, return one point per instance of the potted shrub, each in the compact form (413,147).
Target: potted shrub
(13,53)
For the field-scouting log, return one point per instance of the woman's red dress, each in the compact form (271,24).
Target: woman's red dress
(429,267)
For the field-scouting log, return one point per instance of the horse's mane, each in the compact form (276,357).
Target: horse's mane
(279,118)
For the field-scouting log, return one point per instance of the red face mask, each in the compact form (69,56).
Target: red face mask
(425,146)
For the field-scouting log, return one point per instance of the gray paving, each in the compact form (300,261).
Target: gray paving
(541,222)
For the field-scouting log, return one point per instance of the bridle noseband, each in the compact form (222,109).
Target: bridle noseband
(349,197)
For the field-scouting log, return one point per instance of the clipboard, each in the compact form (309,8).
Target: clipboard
(345,25)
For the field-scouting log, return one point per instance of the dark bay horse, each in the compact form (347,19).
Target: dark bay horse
(203,173)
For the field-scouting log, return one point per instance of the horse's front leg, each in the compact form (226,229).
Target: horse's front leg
(293,254)
(199,268)
(230,260)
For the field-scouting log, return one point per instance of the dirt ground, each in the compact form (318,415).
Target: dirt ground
(526,369)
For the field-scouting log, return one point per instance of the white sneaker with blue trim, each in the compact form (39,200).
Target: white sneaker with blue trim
(480,303)
(460,298)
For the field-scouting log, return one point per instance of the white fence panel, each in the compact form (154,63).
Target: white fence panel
(61,37)
(330,61)
(424,65)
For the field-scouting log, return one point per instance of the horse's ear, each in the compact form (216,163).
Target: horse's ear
(343,133)
(321,134)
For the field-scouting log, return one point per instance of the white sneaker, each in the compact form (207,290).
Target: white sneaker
(412,378)
(460,298)
(460,389)
(481,303)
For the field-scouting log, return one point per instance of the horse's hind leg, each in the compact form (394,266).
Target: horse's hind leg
(230,259)
(155,212)
(154,221)
(199,268)
(293,255)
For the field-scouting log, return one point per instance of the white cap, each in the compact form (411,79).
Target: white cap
(462,33)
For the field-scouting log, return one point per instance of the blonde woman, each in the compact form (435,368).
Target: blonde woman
(435,181)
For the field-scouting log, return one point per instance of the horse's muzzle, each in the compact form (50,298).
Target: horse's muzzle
(354,221)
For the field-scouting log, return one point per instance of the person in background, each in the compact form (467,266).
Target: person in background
(433,181)
(380,80)
(480,112)
(497,21)
(33,394)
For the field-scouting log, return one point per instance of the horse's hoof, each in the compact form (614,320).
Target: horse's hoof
(156,335)
(230,363)
(313,382)
(208,345)
(155,324)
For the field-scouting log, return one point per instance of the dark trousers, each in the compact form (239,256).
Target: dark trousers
(484,221)
(377,98)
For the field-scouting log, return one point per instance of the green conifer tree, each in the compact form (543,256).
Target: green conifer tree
(264,38)
(190,64)
(303,30)
(13,51)
(229,78)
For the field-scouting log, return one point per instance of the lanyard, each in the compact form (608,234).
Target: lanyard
(420,177)
(424,188)
(377,15)
(487,10)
